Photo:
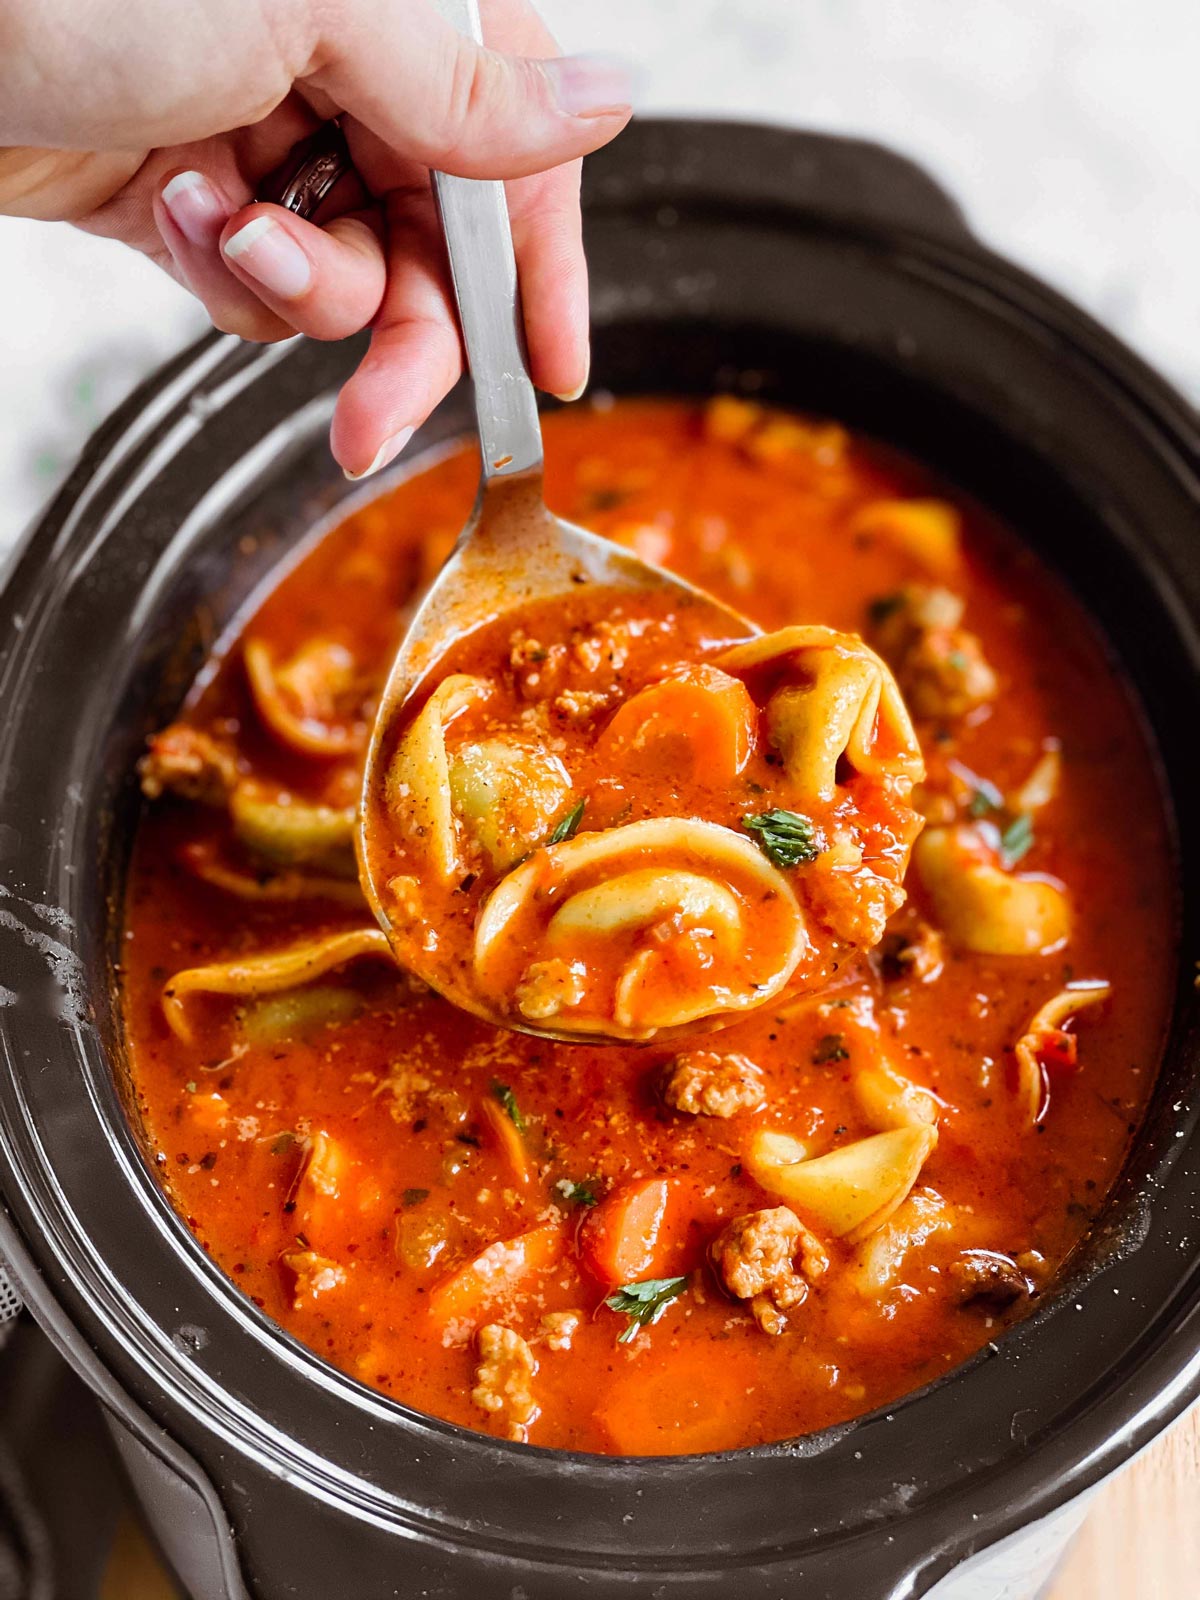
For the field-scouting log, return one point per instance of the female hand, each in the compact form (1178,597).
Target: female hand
(155,125)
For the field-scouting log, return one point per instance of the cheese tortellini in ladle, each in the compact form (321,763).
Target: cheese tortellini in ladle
(602,827)
(571,933)
(830,701)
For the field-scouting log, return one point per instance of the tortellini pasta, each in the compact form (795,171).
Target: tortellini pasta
(640,930)
(289,832)
(834,701)
(506,793)
(417,786)
(890,1100)
(1045,1040)
(267,974)
(848,1192)
(592,831)
(312,702)
(276,887)
(983,908)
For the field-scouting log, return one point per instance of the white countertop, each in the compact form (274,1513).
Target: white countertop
(1068,129)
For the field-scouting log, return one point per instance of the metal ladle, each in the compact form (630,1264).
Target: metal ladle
(513,550)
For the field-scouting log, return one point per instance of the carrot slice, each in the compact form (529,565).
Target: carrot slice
(509,1138)
(699,709)
(460,1300)
(622,1240)
(689,1403)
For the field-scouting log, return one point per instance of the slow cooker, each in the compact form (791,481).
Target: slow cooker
(821,273)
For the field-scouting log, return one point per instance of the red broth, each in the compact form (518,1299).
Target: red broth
(352,1150)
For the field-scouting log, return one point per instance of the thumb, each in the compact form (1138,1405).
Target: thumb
(437,97)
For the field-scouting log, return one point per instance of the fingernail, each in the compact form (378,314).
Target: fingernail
(195,207)
(591,85)
(577,392)
(269,255)
(388,451)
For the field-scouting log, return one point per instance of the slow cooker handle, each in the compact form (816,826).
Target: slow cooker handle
(751,169)
(869,182)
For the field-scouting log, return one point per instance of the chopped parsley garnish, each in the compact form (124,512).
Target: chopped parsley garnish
(830,1048)
(986,798)
(509,1101)
(957,661)
(578,1194)
(283,1143)
(1017,839)
(643,1303)
(569,826)
(413,1197)
(785,837)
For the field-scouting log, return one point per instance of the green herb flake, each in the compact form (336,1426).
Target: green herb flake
(643,1303)
(1017,839)
(830,1048)
(190,1087)
(985,798)
(509,1101)
(578,1194)
(785,837)
(957,661)
(569,826)
(281,1145)
(413,1197)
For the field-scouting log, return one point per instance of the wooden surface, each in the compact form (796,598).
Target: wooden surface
(1140,1542)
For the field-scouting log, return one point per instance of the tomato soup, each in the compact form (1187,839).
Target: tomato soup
(737,1223)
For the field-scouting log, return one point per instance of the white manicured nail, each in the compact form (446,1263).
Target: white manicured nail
(195,207)
(590,85)
(388,451)
(267,253)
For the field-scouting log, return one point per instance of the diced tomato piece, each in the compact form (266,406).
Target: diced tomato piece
(623,1240)
(1058,1051)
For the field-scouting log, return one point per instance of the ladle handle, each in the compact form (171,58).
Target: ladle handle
(479,243)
